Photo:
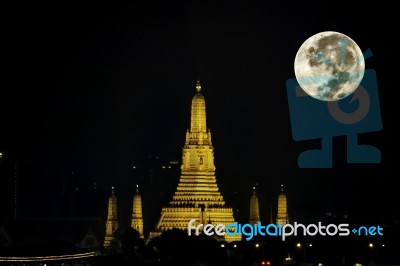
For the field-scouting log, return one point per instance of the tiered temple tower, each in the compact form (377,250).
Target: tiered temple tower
(112,219)
(282,215)
(197,195)
(254,209)
(137,217)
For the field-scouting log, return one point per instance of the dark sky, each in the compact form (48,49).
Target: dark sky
(95,87)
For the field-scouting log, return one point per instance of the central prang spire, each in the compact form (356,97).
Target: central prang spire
(198,117)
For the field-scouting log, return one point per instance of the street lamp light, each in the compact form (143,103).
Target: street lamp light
(372,247)
(299,246)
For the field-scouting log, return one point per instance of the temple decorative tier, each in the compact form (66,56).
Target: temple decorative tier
(197,195)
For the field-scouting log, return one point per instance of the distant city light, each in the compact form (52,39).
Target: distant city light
(371,245)
(1,155)
(257,245)
(310,245)
(222,245)
(235,246)
(298,245)
(383,245)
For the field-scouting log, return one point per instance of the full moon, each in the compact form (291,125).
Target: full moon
(329,66)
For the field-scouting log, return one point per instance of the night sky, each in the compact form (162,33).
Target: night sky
(95,88)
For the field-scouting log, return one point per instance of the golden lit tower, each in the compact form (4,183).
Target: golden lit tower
(197,195)
(282,215)
(254,209)
(112,219)
(137,217)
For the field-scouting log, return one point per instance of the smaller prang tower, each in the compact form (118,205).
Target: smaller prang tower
(137,217)
(112,219)
(282,215)
(254,209)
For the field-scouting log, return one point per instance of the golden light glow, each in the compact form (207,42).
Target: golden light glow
(197,195)
(298,245)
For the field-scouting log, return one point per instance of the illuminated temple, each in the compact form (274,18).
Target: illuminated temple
(197,195)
